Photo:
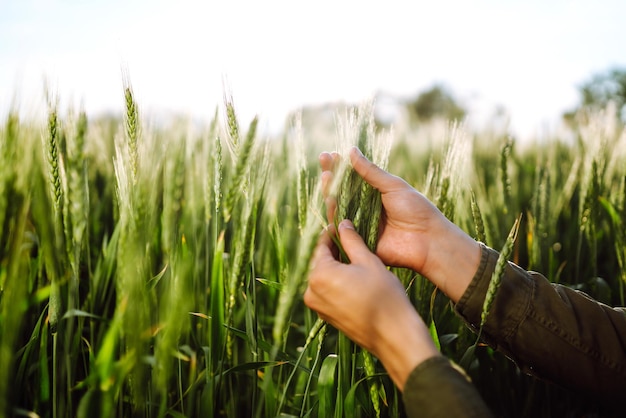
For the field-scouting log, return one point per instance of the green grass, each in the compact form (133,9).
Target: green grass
(159,271)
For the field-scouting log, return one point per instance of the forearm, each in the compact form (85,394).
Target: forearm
(404,342)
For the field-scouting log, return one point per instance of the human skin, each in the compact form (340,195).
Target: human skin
(364,299)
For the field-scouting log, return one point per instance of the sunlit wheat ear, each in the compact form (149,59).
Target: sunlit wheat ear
(498,272)
(242,155)
(131,118)
(596,137)
(602,138)
(76,169)
(218,172)
(455,170)
(444,202)
(231,118)
(564,197)
(617,159)
(354,128)
(430,182)
(302,187)
(212,175)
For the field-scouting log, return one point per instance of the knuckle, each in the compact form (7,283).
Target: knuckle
(309,298)
(314,282)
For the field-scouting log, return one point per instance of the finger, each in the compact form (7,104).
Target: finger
(374,175)
(329,160)
(331,208)
(327,181)
(321,256)
(325,239)
(329,198)
(322,260)
(313,300)
(352,243)
(326,161)
(325,249)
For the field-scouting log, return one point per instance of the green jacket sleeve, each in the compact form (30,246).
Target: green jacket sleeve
(551,331)
(437,388)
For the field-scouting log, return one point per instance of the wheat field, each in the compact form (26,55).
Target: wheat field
(158,271)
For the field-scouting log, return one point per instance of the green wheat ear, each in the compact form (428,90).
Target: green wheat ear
(505,155)
(131,126)
(478,219)
(52,148)
(498,272)
(54,178)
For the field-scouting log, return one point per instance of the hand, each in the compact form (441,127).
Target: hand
(413,232)
(368,303)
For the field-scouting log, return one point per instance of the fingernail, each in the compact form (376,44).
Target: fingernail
(347,224)
(358,151)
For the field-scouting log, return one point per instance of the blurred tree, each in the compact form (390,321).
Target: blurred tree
(599,91)
(435,102)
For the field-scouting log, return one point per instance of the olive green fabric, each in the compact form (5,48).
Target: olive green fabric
(437,388)
(550,331)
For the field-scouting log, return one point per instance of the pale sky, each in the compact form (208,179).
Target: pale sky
(528,56)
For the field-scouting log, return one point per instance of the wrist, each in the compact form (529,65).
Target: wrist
(453,260)
(404,345)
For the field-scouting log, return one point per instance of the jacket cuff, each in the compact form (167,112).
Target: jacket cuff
(438,388)
(511,302)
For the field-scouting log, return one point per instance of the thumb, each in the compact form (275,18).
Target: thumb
(374,175)
(352,243)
